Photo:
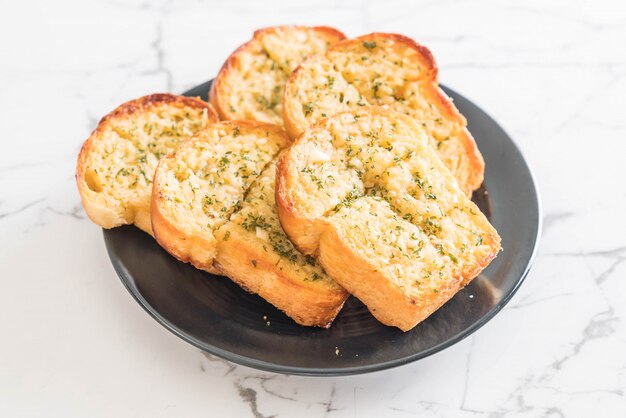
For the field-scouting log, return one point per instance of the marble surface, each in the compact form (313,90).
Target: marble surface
(75,344)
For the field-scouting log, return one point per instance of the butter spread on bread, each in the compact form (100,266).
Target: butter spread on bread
(116,164)
(384,70)
(365,193)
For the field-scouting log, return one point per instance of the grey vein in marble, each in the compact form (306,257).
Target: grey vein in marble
(157,47)
(21,209)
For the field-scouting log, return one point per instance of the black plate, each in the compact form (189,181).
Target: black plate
(217,316)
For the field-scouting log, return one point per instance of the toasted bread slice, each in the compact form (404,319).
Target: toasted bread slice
(250,84)
(197,189)
(254,251)
(116,164)
(383,70)
(365,193)
(213,205)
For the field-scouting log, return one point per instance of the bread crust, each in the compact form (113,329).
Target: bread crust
(477,164)
(306,305)
(219,90)
(469,174)
(194,249)
(104,214)
(293,221)
(294,121)
(383,299)
(423,51)
(356,274)
(476,170)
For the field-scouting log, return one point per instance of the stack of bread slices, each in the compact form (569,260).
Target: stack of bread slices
(323,167)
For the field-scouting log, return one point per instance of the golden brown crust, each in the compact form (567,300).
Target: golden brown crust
(476,170)
(423,52)
(331,32)
(441,100)
(361,279)
(255,272)
(99,212)
(293,221)
(327,30)
(390,306)
(218,88)
(474,173)
(293,120)
(194,249)
(145,103)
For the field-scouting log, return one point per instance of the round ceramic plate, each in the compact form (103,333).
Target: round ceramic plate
(217,316)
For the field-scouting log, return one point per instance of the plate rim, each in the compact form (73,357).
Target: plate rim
(267,366)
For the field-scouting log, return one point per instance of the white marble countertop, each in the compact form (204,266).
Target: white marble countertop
(75,344)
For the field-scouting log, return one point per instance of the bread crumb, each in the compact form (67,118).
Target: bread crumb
(336,351)
(268,323)
(471,296)
(265,317)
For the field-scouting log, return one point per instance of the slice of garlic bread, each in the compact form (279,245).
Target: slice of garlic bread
(389,70)
(197,188)
(250,84)
(116,164)
(213,205)
(254,251)
(365,193)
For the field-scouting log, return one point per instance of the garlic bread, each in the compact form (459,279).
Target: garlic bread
(213,205)
(116,164)
(365,193)
(389,70)
(251,82)
(254,251)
